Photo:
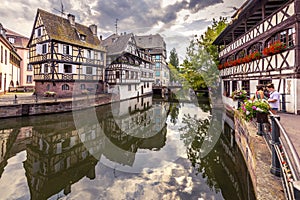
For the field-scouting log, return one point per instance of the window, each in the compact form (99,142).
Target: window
(29,67)
(127,74)
(82,37)
(65,87)
(44,48)
(246,86)
(234,85)
(82,86)
(1,54)
(129,87)
(5,57)
(39,32)
(48,87)
(147,84)
(88,54)
(66,50)
(89,70)
(132,75)
(11,40)
(264,82)
(67,68)
(226,88)
(117,74)
(157,65)
(157,57)
(46,68)
(157,73)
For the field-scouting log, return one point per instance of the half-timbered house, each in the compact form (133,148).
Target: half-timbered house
(9,64)
(67,57)
(262,45)
(156,47)
(129,71)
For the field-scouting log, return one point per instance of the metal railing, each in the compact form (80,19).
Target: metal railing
(285,159)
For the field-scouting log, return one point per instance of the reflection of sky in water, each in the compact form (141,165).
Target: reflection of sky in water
(13,180)
(164,174)
(161,174)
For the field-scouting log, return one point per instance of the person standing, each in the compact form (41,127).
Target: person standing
(274,98)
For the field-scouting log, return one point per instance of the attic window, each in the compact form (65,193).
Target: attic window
(82,37)
(12,40)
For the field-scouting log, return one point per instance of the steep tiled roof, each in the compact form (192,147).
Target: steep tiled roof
(116,44)
(20,40)
(59,28)
(150,41)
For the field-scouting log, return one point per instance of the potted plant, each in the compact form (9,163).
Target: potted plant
(239,94)
(258,109)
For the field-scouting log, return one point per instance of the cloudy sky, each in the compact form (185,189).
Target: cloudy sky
(176,20)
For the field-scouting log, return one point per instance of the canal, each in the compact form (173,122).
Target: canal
(137,149)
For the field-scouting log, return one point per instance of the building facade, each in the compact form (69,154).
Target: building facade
(262,45)
(66,57)
(26,71)
(156,47)
(129,71)
(9,64)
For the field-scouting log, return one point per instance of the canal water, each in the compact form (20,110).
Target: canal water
(137,149)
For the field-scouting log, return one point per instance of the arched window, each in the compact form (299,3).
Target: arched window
(255,47)
(82,86)
(241,54)
(65,87)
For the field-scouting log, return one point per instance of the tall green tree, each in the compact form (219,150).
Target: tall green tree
(202,56)
(174,58)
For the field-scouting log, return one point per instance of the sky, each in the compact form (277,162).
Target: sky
(176,20)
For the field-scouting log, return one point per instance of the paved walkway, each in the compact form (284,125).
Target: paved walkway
(291,124)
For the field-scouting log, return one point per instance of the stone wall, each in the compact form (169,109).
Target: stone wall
(258,160)
(75,88)
(52,107)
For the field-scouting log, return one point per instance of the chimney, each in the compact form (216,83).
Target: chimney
(71,19)
(93,28)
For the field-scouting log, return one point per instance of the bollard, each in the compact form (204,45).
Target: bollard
(275,166)
(15,100)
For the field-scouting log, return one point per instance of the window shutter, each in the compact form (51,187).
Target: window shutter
(94,70)
(38,49)
(84,53)
(92,54)
(60,68)
(84,70)
(71,50)
(74,69)
(60,48)
(42,69)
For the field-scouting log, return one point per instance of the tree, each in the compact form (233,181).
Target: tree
(174,58)
(202,56)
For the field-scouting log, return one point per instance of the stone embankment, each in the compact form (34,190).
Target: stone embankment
(25,107)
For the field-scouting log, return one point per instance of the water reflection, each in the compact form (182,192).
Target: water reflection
(135,149)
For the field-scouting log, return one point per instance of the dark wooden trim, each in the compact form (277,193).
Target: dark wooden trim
(264,36)
(297,47)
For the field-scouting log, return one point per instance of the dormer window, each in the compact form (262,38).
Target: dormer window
(11,40)
(82,37)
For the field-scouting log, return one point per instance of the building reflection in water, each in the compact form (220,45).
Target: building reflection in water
(63,149)
(61,153)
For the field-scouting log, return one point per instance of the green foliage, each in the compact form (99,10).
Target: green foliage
(174,58)
(202,57)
